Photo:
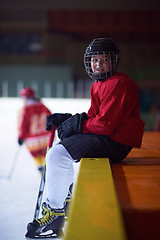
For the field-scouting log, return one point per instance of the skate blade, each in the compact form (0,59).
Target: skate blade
(57,238)
(43,236)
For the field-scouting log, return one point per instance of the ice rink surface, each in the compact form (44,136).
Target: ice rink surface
(19,185)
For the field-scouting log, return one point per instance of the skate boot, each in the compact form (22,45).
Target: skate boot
(66,204)
(49,226)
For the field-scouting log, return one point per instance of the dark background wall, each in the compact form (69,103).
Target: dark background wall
(54,34)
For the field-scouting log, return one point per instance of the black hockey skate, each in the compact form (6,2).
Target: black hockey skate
(49,226)
(66,204)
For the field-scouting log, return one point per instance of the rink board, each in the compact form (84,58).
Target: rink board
(95,211)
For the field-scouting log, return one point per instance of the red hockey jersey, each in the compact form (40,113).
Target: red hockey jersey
(114,110)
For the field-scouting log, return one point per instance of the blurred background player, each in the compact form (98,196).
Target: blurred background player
(31,126)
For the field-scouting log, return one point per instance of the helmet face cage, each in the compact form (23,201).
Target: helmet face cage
(113,63)
(100,50)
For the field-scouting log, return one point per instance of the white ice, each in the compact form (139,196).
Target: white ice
(18,194)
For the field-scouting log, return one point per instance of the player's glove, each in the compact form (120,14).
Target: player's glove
(56,119)
(71,126)
(20,141)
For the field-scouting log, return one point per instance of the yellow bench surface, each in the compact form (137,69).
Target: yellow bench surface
(95,212)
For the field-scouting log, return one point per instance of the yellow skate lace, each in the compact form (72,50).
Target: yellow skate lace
(68,200)
(44,210)
(48,217)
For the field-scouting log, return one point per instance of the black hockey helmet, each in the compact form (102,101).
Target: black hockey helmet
(102,46)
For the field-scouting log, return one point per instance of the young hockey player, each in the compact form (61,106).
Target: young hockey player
(110,129)
(31,126)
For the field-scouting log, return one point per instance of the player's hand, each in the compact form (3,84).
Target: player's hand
(20,141)
(72,125)
(56,119)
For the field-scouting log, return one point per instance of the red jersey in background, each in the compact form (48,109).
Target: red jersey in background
(32,127)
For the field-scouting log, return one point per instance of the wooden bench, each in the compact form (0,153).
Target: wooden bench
(95,211)
(137,182)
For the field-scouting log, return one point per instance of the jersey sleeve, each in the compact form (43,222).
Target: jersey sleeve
(22,124)
(110,111)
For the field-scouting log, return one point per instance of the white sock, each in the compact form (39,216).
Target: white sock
(59,175)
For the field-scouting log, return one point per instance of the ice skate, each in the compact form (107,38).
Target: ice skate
(49,226)
(66,205)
